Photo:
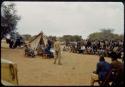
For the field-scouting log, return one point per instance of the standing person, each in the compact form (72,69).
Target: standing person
(13,39)
(57,48)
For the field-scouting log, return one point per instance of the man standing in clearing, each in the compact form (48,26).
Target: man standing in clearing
(57,48)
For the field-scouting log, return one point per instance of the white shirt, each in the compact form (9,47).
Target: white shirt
(82,47)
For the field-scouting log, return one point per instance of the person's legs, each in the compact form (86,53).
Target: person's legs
(56,56)
(94,78)
(14,42)
(59,58)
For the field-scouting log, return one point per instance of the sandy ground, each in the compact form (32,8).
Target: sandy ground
(76,68)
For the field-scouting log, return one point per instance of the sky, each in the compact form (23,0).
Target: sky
(69,18)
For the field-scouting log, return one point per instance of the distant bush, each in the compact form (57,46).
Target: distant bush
(105,34)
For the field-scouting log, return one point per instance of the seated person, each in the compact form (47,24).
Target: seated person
(101,51)
(82,49)
(64,48)
(118,69)
(47,51)
(94,49)
(52,52)
(29,51)
(122,56)
(40,49)
(89,49)
(101,70)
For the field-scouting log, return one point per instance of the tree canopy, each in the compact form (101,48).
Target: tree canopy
(71,38)
(9,19)
(27,37)
(105,34)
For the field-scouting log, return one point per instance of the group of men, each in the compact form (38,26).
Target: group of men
(105,73)
(102,47)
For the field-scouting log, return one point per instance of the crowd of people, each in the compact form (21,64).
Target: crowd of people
(102,47)
(105,72)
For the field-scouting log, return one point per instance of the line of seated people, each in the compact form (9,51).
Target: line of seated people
(100,51)
(41,50)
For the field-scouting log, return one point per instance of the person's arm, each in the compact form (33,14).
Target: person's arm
(54,46)
(98,68)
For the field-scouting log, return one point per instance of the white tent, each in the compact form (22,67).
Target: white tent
(37,40)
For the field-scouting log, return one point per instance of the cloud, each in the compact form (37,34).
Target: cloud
(60,18)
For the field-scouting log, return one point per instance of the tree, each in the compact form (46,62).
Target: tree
(105,34)
(9,19)
(77,38)
(26,37)
(69,38)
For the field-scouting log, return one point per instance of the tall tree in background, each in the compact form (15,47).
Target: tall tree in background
(69,38)
(105,34)
(9,19)
(27,37)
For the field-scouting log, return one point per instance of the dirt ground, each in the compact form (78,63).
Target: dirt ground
(75,69)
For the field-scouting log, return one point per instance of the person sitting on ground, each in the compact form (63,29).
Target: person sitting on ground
(101,52)
(40,49)
(102,68)
(82,49)
(94,49)
(26,49)
(48,51)
(64,48)
(29,51)
(89,49)
(122,56)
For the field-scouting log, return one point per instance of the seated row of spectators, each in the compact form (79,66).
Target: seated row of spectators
(97,47)
(41,50)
